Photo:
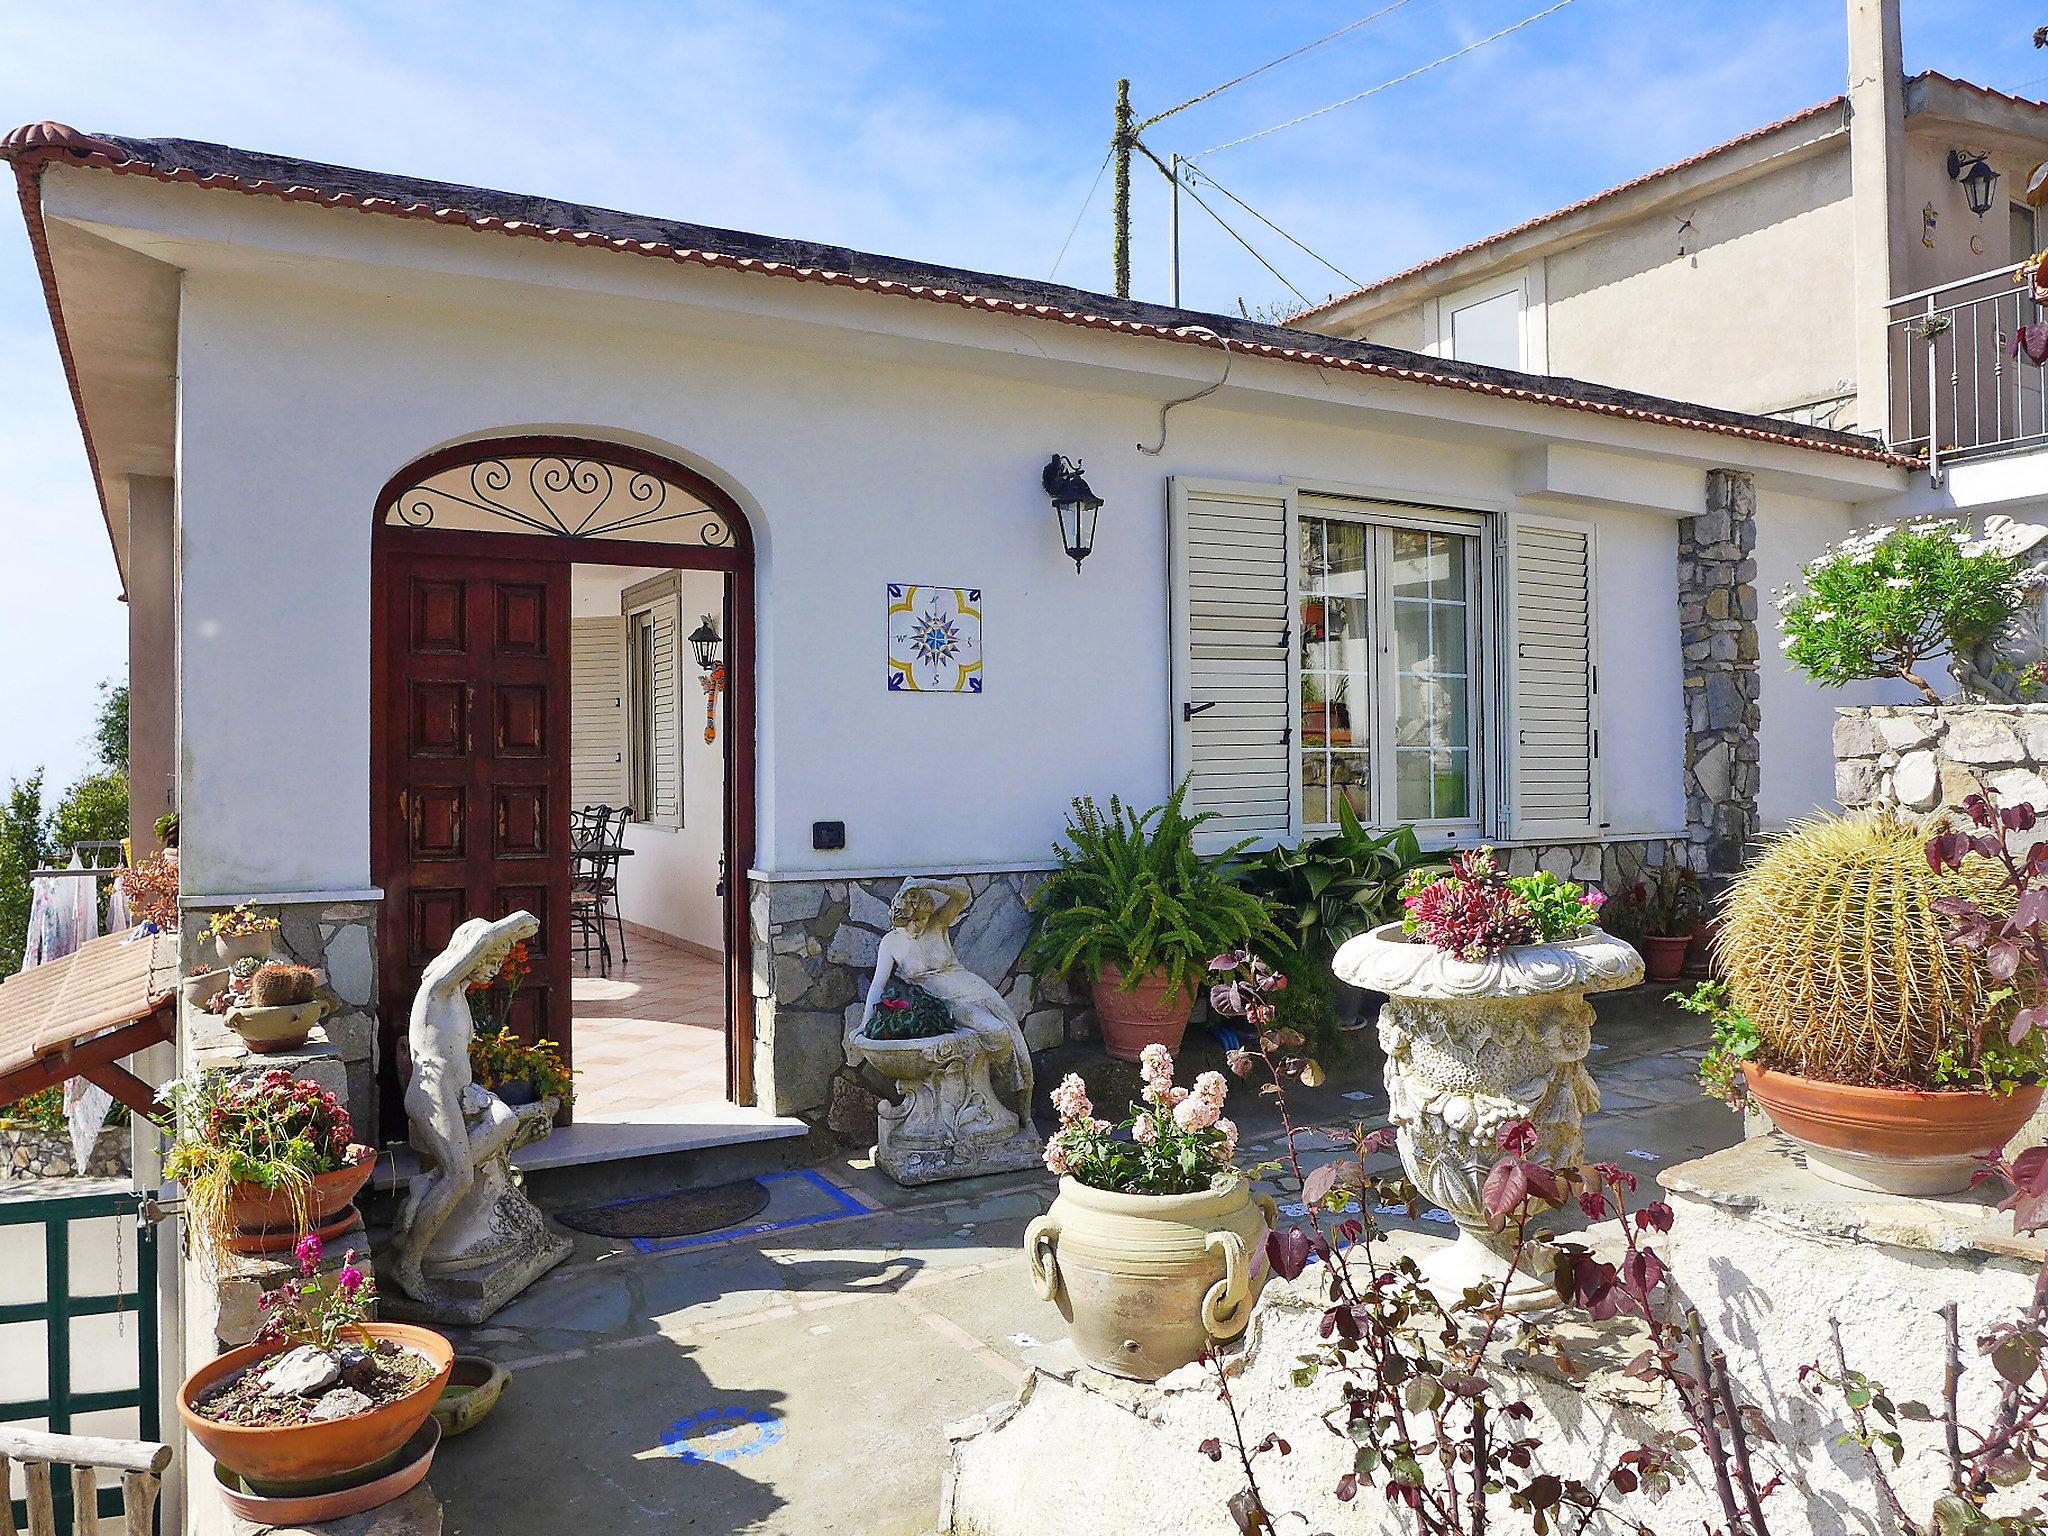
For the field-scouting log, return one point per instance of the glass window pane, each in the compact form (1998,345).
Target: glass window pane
(1489,331)
(1411,785)
(1412,643)
(1452,785)
(1447,638)
(1315,793)
(1447,566)
(1344,553)
(1351,777)
(1410,569)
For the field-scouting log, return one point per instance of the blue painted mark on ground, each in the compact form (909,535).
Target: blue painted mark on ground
(722,1435)
(838,1202)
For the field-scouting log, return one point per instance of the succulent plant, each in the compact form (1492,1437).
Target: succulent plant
(278,985)
(1833,950)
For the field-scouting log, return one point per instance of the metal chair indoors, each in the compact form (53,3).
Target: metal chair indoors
(599,844)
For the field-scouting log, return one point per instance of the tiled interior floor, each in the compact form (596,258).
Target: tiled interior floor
(651,1035)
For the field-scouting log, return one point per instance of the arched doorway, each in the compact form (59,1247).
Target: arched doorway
(477,554)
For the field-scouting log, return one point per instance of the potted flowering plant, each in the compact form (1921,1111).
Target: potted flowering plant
(151,886)
(1659,916)
(1486,1023)
(1153,1246)
(1134,908)
(490,997)
(264,1158)
(1884,990)
(241,932)
(323,1391)
(517,1072)
(905,1011)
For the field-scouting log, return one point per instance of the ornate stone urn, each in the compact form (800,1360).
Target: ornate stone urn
(1471,1046)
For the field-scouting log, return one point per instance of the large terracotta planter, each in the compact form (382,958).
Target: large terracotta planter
(1146,1281)
(1472,1046)
(1892,1140)
(305,1453)
(1151,1013)
(1664,956)
(263,1218)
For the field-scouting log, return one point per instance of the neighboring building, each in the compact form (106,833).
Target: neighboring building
(1756,275)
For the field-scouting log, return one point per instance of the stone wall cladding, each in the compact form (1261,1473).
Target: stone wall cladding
(338,939)
(814,944)
(30,1152)
(1926,757)
(1717,621)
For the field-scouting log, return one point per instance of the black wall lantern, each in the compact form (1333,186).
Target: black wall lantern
(1980,182)
(704,644)
(1074,504)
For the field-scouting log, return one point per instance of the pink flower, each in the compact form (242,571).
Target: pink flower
(1145,1129)
(350,1280)
(308,1253)
(1056,1161)
(1194,1114)
(1156,1063)
(1229,1129)
(1211,1089)
(1070,1099)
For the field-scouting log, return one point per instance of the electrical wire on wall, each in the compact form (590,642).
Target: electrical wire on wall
(1201,394)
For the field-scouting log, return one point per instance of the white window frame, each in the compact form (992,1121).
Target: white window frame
(638,604)
(1526,284)
(1485,698)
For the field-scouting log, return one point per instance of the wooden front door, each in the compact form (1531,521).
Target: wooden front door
(472,818)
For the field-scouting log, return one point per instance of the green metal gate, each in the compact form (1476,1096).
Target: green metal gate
(74,1233)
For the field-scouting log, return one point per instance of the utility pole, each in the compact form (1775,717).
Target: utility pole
(1173,230)
(1120,142)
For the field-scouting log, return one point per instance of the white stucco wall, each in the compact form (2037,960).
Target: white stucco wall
(299,399)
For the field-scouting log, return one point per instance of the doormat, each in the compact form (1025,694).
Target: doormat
(798,1198)
(679,1213)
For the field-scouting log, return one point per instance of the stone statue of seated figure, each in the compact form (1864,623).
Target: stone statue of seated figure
(952,1121)
(467,1239)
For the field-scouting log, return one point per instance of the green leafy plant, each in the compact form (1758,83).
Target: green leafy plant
(1886,601)
(1474,909)
(1735,1039)
(498,1058)
(1131,892)
(1668,904)
(239,922)
(43,1110)
(1331,888)
(906,1011)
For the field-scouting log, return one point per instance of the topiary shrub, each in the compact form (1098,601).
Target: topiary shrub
(1834,952)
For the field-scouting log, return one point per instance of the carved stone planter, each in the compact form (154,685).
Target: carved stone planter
(1473,1045)
(948,1122)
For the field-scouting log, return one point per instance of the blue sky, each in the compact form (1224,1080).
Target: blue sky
(961,132)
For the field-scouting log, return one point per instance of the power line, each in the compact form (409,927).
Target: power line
(1086,203)
(1363,21)
(1397,80)
(1283,234)
(1240,239)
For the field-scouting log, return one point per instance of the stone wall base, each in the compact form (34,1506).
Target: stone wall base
(1926,757)
(30,1152)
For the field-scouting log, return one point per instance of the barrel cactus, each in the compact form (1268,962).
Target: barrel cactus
(1834,951)
(279,985)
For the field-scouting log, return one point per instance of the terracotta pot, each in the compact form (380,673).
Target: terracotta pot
(263,1217)
(304,1453)
(243,946)
(1897,1141)
(409,1469)
(1699,959)
(1145,1281)
(473,1390)
(1149,1013)
(1664,955)
(281,1027)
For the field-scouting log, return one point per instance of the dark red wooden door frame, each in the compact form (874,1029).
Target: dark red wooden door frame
(388,546)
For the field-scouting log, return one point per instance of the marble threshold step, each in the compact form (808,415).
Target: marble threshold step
(613,1136)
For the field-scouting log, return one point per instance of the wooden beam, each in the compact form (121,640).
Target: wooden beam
(85,1501)
(87,1057)
(35,1445)
(138,1502)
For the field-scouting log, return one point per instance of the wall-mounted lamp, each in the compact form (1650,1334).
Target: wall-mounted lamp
(704,643)
(1980,182)
(1074,504)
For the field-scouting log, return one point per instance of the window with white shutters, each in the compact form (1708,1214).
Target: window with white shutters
(654,673)
(1233,671)
(1553,752)
(597,727)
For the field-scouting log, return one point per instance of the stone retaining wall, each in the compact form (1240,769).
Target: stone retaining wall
(338,939)
(1925,757)
(30,1152)
(1717,631)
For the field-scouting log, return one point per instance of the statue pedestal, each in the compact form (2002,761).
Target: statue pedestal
(494,1244)
(948,1124)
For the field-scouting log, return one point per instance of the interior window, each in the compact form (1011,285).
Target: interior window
(1388,678)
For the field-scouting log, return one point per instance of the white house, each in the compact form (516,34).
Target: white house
(418,490)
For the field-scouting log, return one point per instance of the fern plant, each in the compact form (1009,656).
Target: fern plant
(1131,892)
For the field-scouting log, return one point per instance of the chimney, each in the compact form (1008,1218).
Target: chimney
(1877,128)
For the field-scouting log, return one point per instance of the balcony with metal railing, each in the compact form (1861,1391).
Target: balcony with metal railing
(1966,368)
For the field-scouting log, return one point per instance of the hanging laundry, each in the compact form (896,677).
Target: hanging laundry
(2033,341)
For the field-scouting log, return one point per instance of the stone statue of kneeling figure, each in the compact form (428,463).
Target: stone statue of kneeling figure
(952,1120)
(467,1240)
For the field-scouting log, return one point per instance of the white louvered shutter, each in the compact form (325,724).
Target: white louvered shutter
(1233,658)
(597,702)
(1554,744)
(665,722)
